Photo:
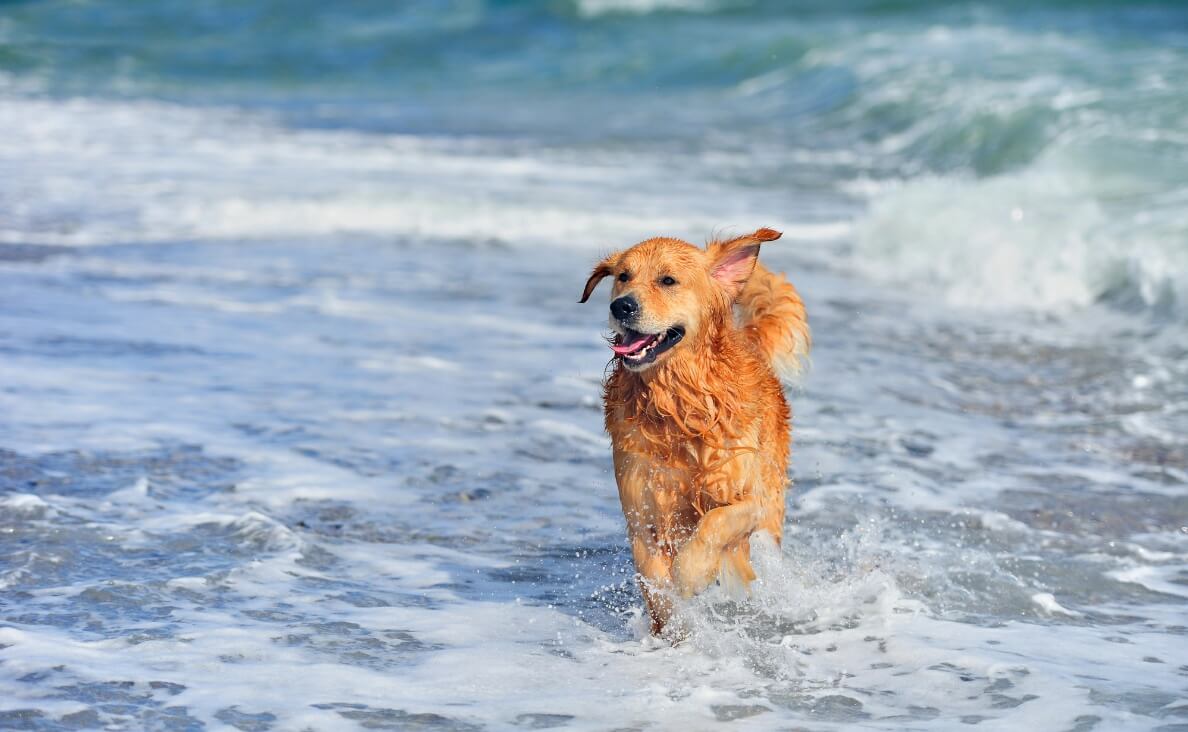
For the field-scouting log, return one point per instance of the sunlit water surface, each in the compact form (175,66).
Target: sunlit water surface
(300,422)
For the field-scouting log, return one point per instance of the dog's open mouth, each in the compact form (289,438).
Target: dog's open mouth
(640,348)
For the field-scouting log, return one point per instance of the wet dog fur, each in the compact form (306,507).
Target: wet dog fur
(695,409)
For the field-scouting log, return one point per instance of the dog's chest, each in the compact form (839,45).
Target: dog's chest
(658,493)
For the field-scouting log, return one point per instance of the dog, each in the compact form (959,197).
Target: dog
(695,408)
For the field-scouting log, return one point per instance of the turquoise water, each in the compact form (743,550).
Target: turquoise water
(299,420)
(1052,134)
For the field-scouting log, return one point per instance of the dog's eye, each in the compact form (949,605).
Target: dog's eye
(623,277)
(668,281)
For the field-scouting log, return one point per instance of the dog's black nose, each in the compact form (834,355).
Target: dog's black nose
(625,308)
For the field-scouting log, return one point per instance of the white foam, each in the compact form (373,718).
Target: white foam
(1038,239)
(25,506)
(1047,602)
(594,8)
(234,175)
(1160,579)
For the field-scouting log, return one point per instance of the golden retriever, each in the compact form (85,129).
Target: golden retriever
(695,409)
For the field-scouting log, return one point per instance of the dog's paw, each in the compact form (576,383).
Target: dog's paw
(695,567)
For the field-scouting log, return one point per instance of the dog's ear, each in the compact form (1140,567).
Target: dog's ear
(731,262)
(602,269)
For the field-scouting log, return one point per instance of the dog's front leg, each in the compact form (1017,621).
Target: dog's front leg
(654,566)
(699,559)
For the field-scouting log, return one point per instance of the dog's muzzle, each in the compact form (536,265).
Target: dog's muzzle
(639,349)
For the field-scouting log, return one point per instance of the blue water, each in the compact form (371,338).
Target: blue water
(299,420)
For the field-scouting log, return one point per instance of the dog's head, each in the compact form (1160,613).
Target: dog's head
(667,291)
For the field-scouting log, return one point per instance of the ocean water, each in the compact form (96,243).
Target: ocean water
(300,422)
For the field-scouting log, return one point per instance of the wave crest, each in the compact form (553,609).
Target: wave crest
(1067,232)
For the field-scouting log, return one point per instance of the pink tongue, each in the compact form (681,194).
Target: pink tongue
(638,343)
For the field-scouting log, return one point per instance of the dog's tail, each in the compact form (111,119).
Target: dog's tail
(771,313)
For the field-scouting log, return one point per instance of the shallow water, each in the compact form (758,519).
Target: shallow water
(299,420)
